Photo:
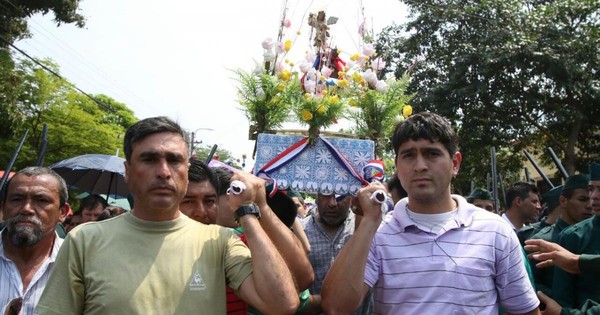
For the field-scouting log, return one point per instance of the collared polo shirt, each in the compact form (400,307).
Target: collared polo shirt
(471,266)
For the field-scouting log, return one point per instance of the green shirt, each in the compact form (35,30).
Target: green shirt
(571,290)
(543,276)
(589,264)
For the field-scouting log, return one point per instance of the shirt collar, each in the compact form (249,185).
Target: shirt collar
(464,213)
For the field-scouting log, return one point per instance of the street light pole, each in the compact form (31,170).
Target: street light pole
(193,141)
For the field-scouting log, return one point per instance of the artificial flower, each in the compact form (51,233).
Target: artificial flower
(368,50)
(355,57)
(370,76)
(381,86)
(287,23)
(343,83)
(352,102)
(285,75)
(306,115)
(407,110)
(326,72)
(280,47)
(288,45)
(304,66)
(321,109)
(377,64)
(281,86)
(267,43)
(333,99)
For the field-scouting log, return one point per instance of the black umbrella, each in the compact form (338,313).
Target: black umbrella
(94,173)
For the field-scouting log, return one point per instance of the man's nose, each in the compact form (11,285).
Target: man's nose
(163,169)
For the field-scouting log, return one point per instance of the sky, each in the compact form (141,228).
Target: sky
(175,58)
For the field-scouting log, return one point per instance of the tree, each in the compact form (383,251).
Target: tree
(76,123)
(224,155)
(510,74)
(14,15)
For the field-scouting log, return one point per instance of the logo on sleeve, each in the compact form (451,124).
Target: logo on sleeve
(197,284)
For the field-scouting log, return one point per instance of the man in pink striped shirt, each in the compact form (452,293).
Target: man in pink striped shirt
(435,253)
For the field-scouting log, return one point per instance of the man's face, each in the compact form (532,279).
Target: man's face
(484,204)
(75,221)
(200,202)
(32,208)
(224,215)
(578,207)
(530,208)
(594,192)
(299,206)
(331,212)
(91,214)
(425,170)
(157,174)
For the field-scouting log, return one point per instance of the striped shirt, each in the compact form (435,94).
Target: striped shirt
(11,285)
(469,267)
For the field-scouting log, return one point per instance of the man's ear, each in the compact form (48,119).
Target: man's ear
(126,171)
(65,210)
(456,159)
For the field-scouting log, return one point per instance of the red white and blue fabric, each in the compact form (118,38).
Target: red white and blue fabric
(296,149)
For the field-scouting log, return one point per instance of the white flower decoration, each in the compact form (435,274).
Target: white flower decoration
(340,175)
(361,158)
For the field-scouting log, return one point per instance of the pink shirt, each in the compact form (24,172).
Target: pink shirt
(471,266)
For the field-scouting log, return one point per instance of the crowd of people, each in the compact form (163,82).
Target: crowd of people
(192,245)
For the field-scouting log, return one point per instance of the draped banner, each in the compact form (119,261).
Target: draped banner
(328,166)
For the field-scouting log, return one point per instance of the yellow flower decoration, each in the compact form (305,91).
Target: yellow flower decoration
(324,92)
(280,87)
(357,77)
(333,99)
(354,57)
(321,109)
(343,83)
(288,45)
(306,96)
(353,102)
(285,75)
(407,111)
(306,115)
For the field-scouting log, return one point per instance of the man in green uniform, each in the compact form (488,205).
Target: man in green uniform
(574,207)
(552,200)
(481,198)
(569,290)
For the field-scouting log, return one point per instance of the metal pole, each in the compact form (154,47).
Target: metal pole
(558,163)
(502,189)
(211,154)
(12,160)
(43,146)
(527,177)
(494,179)
(537,168)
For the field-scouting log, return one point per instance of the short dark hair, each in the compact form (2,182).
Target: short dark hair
(63,193)
(224,175)
(91,202)
(394,184)
(147,127)
(200,172)
(429,126)
(519,189)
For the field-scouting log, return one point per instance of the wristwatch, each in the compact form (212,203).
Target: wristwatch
(243,210)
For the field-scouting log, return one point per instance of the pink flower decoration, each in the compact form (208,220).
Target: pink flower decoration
(287,23)
(267,43)
(326,72)
(368,50)
(280,48)
(377,64)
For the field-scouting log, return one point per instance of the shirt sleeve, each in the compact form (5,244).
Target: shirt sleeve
(563,284)
(589,264)
(238,262)
(372,267)
(512,281)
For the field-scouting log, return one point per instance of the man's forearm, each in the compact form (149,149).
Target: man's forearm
(289,247)
(344,288)
(272,279)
